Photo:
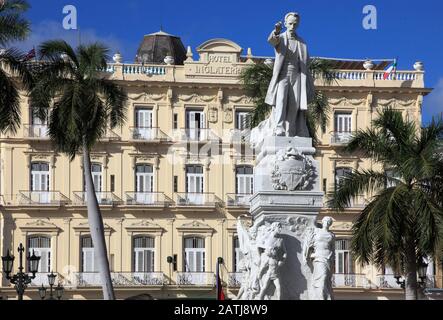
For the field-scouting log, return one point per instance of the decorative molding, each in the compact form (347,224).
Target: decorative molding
(148,96)
(144,226)
(83,228)
(396,102)
(241,99)
(195,98)
(344,101)
(40,226)
(196,226)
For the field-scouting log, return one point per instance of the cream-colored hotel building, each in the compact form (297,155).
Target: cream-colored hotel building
(173,180)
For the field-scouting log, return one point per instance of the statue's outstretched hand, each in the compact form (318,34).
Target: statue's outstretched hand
(278,27)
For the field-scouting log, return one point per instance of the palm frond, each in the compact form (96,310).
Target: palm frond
(9,104)
(13,27)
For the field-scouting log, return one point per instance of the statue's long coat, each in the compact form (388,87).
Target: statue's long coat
(306,94)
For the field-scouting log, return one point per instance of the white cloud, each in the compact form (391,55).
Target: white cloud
(51,30)
(434,102)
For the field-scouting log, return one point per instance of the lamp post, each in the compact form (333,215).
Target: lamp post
(20,279)
(58,290)
(422,269)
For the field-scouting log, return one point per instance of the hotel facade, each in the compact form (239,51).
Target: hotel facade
(172,181)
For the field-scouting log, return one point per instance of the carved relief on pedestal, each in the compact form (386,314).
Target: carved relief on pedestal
(292,171)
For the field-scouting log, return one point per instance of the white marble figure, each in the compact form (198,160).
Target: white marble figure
(319,254)
(272,258)
(292,86)
(263,252)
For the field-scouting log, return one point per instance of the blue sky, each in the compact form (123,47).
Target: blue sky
(407,29)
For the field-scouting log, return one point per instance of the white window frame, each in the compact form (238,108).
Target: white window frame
(143,119)
(42,252)
(244,181)
(193,254)
(145,253)
(344,263)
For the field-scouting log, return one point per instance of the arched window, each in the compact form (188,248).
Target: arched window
(89,263)
(194,254)
(41,246)
(144,252)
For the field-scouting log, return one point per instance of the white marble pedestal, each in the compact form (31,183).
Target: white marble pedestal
(295,210)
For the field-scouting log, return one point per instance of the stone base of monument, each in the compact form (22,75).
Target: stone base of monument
(287,190)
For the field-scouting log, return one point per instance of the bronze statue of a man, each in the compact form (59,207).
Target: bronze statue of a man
(292,86)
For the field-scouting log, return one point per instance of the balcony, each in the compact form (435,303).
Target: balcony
(156,199)
(42,198)
(36,131)
(387,281)
(110,135)
(103,198)
(41,278)
(196,199)
(341,138)
(350,281)
(195,279)
(147,134)
(238,200)
(119,279)
(235,279)
(240,136)
(196,135)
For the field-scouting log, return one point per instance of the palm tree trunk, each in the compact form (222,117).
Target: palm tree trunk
(411,273)
(97,229)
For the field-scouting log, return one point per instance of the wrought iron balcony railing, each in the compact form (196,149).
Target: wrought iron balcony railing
(350,281)
(341,138)
(119,279)
(238,200)
(387,281)
(235,279)
(148,134)
(196,199)
(41,278)
(103,198)
(157,199)
(195,279)
(42,198)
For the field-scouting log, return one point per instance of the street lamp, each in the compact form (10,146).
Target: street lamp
(21,279)
(58,290)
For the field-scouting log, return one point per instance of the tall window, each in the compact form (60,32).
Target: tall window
(144,178)
(97,179)
(40,182)
(244,180)
(195,120)
(340,174)
(237,255)
(41,246)
(144,253)
(343,122)
(241,120)
(194,254)
(343,259)
(194,179)
(39,126)
(89,263)
(143,123)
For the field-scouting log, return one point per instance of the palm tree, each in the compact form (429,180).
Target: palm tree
(12,28)
(81,104)
(403,221)
(256,79)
